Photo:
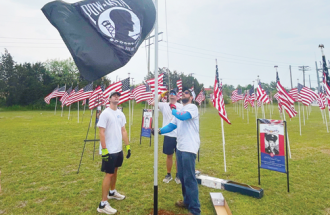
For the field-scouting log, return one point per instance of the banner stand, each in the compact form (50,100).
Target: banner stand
(286,150)
(146,131)
(92,140)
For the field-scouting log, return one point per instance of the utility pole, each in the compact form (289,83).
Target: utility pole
(291,77)
(149,44)
(304,68)
(317,76)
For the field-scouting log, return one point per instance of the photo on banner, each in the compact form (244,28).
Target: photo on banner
(146,123)
(272,145)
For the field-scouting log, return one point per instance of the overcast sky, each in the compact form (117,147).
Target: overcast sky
(247,37)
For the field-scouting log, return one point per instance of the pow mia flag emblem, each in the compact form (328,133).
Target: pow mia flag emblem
(102,35)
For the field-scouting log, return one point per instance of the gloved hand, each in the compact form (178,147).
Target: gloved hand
(172,106)
(153,131)
(105,154)
(164,93)
(128,150)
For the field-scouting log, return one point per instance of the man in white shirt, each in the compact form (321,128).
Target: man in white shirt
(112,132)
(186,122)
(169,144)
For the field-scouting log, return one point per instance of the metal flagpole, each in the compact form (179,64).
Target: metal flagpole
(287,133)
(129,115)
(156,116)
(223,145)
(78,101)
(299,119)
(243,108)
(306,111)
(303,114)
(326,121)
(69,112)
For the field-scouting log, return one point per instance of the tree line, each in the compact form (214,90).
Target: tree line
(26,84)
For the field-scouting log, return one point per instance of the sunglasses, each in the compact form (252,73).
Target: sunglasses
(186,92)
(172,94)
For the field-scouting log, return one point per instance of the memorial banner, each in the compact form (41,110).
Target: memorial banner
(146,123)
(272,145)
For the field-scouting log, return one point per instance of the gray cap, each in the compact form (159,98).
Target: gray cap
(113,92)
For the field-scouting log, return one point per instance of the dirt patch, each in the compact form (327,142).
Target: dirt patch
(39,200)
(2,211)
(327,211)
(164,212)
(21,204)
(326,151)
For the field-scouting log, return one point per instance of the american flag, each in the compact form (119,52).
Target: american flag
(84,102)
(294,94)
(142,93)
(239,96)
(179,86)
(201,97)
(234,96)
(50,96)
(65,96)
(246,100)
(96,98)
(83,93)
(71,95)
(261,94)
(321,101)
(285,100)
(218,102)
(123,87)
(59,92)
(161,87)
(326,86)
(252,96)
(307,96)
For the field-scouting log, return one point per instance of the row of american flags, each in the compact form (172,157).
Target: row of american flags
(285,99)
(100,95)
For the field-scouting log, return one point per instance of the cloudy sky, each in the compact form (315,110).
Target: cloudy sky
(246,37)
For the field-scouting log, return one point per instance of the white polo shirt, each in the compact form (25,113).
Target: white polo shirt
(112,121)
(188,130)
(164,107)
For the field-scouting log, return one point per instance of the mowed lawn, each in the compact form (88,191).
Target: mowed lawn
(40,154)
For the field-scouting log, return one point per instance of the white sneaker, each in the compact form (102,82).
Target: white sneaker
(116,195)
(107,209)
(177,180)
(167,179)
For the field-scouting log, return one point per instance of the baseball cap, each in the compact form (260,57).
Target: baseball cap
(192,93)
(113,92)
(173,91)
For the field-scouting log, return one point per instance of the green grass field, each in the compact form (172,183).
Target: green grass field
(40,153)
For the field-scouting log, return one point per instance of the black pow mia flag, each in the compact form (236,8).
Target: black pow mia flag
(102,35)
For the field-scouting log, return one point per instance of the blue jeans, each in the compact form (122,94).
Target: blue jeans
(186,172)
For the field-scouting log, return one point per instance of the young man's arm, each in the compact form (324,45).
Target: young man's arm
(167,128)
(102,137)
(125,139)
(159,97)
(183,115)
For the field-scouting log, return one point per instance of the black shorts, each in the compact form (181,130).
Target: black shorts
(115,160)
(169,145)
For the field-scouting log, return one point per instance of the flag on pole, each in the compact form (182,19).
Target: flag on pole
(71,95)
(65,96)
(83,93)
(251,96)
(161,87)
(218,101)
(261,94)
(246,100)
(142,93)
(179,86)
(101,37)
(96,98)
(234,96)
(294,94)
(320,101)
(123,87)
(59,92)
(50,96)
(285,100)
(201,97)
(307,95)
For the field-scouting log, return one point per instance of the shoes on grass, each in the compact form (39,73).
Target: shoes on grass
(106,209)
(116,196)
(177,180)
(167,178)
(181,204)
